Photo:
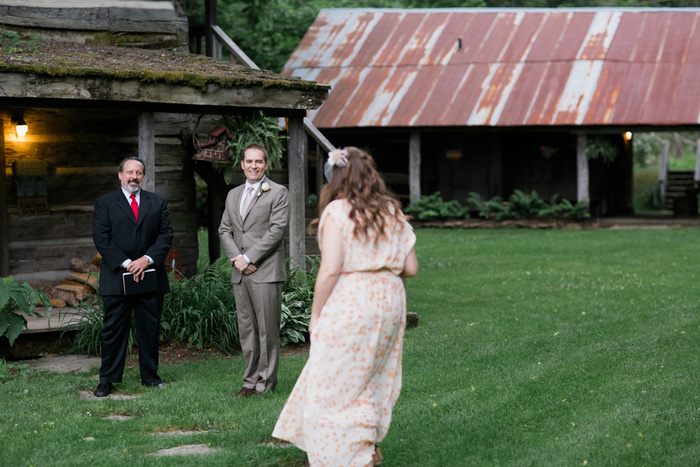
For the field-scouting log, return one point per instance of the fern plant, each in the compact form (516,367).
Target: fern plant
(431,207)
(255,128)
(201,311)
(524,205)
(577,211)
(553,209)
(493,208)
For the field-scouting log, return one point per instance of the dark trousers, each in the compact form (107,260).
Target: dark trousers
(115,336)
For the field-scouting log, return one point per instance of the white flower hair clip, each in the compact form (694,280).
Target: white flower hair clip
(338,157)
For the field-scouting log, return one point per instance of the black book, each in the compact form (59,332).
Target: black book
(147,284)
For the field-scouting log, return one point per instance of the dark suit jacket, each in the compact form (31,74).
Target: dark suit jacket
(119,237)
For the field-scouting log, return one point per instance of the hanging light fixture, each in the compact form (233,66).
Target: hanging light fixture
(21,127)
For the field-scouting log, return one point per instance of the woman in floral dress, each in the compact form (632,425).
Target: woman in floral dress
(341,405)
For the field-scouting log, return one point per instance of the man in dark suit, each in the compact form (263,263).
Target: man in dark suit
(252,232)
(133,233)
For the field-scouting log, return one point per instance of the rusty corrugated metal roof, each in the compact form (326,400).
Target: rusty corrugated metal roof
(503,67)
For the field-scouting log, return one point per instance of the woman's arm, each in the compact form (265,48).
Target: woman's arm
(331,243)
(410,265)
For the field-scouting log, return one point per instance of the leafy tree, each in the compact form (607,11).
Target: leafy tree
(269,30)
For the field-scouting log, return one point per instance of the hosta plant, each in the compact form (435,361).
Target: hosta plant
(18,297)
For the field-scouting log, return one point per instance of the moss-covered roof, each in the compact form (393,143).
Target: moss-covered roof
(44,57)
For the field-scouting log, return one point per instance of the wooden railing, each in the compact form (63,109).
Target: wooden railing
(239,56)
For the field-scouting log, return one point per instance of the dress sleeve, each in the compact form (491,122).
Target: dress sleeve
(408,238)
(332,210)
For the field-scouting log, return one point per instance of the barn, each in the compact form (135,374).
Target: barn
(493,100)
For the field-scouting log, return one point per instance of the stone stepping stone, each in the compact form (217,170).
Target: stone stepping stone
(185,450)
(179,433)
(118,417)
(89,396)
(279,444)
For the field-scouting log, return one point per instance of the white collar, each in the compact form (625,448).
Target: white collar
(128,195)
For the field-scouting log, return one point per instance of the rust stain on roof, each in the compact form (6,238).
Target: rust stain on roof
(504,67)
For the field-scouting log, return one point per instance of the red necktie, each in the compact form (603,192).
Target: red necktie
(135,206)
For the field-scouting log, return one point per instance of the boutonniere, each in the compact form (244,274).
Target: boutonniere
(263,188)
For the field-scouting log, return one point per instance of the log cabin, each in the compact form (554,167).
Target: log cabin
(94,84)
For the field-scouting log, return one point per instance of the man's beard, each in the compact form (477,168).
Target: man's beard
(132,189)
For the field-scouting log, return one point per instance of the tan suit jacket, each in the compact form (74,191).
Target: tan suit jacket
(259,233)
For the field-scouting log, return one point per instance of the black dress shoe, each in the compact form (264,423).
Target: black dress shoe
(103,390)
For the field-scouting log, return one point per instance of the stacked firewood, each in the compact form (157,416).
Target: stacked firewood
(77,286)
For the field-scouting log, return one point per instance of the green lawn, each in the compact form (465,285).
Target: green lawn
(535,348)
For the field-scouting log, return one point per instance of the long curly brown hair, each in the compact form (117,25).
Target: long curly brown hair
(360,184)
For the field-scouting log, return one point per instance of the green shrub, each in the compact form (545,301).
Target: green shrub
(14,296)
(297,297)
(494,208)
(201,311)
(432,207)
(576,211)
(524,205)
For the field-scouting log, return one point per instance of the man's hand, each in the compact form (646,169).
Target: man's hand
(240,263)
(250,269)
(138,267)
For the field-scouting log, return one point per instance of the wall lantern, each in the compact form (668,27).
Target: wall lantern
(628,136)
(21,127)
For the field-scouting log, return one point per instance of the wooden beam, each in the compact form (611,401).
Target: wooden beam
(320,162)
(317,136)
(233,48)
(582,177)
(77,91)
(4,229)
(147,149)
(414,166)
(297,194)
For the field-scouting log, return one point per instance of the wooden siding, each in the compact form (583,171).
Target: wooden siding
(83,149)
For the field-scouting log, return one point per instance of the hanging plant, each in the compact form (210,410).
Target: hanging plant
(600,147)
(254,128)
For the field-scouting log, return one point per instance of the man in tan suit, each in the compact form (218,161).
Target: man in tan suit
(252,232)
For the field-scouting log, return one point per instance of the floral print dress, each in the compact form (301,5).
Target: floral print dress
(341,404)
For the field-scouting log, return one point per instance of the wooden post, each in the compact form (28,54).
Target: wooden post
(663,171)
(147,149)
(215,208)
(696,177)
(4,228)
(217,190)
(320,163)
(414,166)
(582,177)
(297,184)
(210,19)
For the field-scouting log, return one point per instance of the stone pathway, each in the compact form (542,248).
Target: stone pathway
(186,450)
(63,363)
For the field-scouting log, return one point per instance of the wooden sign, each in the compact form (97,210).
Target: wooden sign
(33,206)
